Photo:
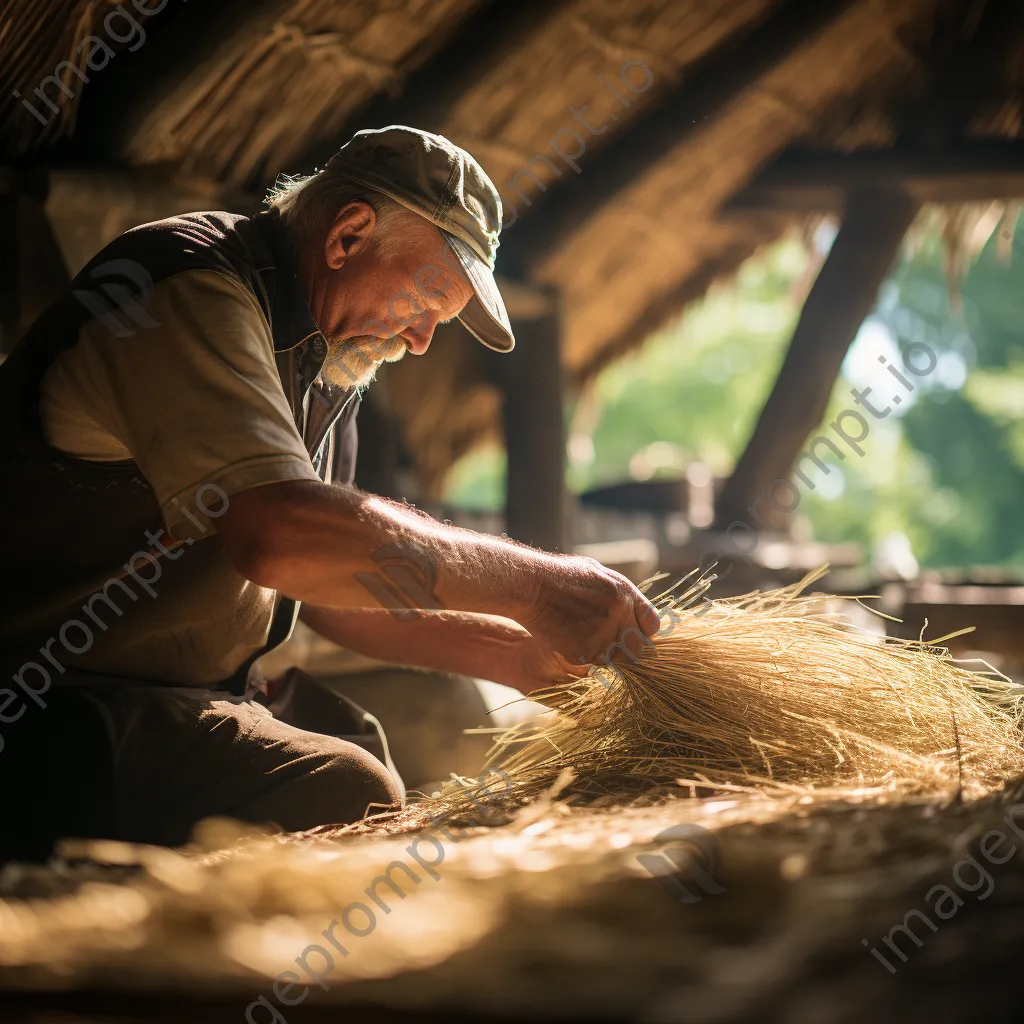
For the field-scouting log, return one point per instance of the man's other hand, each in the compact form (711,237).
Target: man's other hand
(530,664)
(588,613)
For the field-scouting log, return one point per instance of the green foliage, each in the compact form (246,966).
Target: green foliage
(477,480)
(969,437)
(699,385)
(970,456)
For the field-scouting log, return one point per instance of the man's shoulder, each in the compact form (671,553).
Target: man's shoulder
(228,243)
(210,226)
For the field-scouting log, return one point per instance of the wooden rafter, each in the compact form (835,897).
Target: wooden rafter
(842,297)
(804,181)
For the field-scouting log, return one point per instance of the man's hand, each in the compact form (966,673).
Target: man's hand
(588,613)
(530,664)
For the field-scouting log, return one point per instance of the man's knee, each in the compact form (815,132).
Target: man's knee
(372,781)
(301,779)
(352,784)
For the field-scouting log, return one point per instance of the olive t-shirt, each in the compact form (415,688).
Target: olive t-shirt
(194,399)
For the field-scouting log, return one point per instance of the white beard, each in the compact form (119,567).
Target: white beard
(353,363)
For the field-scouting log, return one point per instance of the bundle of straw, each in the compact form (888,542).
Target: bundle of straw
(769,690)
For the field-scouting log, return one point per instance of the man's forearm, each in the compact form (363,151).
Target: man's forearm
(337,546)
(461,642)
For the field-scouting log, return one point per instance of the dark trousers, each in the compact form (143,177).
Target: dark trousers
(141,764)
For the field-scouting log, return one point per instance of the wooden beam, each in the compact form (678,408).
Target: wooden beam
(530,378)
(804,181)
(842,297)
(722,76)
(430,90)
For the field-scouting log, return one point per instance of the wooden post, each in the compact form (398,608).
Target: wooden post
(34,272)
(10,292)
(530,378)
(842,297)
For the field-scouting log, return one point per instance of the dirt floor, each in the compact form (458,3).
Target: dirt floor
(551,916)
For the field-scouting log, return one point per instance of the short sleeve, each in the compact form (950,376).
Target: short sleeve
(195,398)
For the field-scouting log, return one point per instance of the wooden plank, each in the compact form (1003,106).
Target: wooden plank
(996,619)
(842,297)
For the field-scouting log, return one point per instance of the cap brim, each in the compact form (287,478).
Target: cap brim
(484,316)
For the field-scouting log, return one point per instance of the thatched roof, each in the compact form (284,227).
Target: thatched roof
(229,99)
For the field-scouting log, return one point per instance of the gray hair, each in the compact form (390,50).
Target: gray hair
(309,203)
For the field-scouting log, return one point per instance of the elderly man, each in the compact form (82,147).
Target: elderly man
(177,464)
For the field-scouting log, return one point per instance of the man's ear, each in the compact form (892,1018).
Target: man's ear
(349,234)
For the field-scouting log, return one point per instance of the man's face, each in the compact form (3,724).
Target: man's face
(374,302)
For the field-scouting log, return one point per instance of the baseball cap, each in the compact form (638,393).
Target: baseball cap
(433,177)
